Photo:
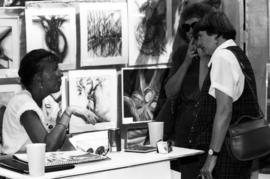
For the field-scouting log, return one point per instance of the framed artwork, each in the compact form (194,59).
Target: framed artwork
(53,29)
(7,91)
(140,92)
(12,40)
(104,33)
(9,42)
(96,91)
(150,31)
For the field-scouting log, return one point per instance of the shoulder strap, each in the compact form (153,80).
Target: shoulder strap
(234,50)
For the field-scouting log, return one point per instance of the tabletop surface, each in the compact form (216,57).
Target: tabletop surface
(117,160)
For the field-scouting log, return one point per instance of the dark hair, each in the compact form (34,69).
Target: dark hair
(214,3)
(196,10)
(216,23)
(31,64)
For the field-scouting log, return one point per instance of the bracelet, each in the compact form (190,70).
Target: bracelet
(59,123)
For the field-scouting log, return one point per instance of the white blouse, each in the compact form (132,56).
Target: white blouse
(15,138)
(226,74)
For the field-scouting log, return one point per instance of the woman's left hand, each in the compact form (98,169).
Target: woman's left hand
(87,115)
(209,165)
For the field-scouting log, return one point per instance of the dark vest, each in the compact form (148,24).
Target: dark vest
(201,131)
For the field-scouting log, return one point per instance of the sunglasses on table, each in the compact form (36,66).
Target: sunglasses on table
(186,27)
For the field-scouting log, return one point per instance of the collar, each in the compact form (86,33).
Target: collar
(224,45)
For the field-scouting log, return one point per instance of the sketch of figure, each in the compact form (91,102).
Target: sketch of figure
(141,101)
(92,89)
(55,39)
(104,33)
(151,31)
(3,35)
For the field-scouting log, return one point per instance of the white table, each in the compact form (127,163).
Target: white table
(122,165)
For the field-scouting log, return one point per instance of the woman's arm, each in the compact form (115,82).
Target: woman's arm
(174,83)
(220,127)
(56,138)
(38,134)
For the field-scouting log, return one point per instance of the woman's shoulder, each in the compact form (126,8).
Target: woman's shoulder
(21,98)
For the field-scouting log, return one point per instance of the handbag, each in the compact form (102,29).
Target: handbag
(249,137)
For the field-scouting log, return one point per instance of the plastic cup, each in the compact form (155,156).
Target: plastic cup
(155,132)
(36,158)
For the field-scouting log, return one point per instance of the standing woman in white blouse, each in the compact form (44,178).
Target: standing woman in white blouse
(225,96)
(24,121)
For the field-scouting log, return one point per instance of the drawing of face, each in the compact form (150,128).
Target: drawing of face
(149,95)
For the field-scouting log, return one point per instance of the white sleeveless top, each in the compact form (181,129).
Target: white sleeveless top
(15,138)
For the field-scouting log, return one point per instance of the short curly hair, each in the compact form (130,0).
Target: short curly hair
(216,23)
(31,64)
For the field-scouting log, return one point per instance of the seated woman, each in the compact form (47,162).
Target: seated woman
(24,121)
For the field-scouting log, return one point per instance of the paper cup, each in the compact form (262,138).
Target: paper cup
(155,132)
(36,158)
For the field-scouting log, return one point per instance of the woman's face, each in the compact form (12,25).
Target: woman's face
(51,77)
(208,43)
(188,25)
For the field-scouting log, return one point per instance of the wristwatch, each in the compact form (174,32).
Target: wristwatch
(212,152)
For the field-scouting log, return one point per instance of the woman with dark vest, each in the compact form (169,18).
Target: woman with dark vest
(224,97)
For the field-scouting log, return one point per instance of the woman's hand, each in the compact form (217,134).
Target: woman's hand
(88,116)
(209,165)
(191,51)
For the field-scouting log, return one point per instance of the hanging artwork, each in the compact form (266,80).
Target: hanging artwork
(150,31)
(104,34)
(96,91)
(140,92)
(53,29)
(9,42)
(12,41)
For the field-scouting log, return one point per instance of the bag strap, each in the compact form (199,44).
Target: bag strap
(248,79)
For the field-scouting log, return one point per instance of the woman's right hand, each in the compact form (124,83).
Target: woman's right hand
(191,51)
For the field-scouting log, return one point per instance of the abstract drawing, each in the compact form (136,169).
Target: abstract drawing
(55,30)
(9,42)
(103,33)
(96,91)
(150,31)
(140,92)
(54,34)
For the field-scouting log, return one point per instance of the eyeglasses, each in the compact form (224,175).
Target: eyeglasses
(186,27)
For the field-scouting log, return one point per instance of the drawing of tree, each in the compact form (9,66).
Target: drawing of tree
(89,88)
